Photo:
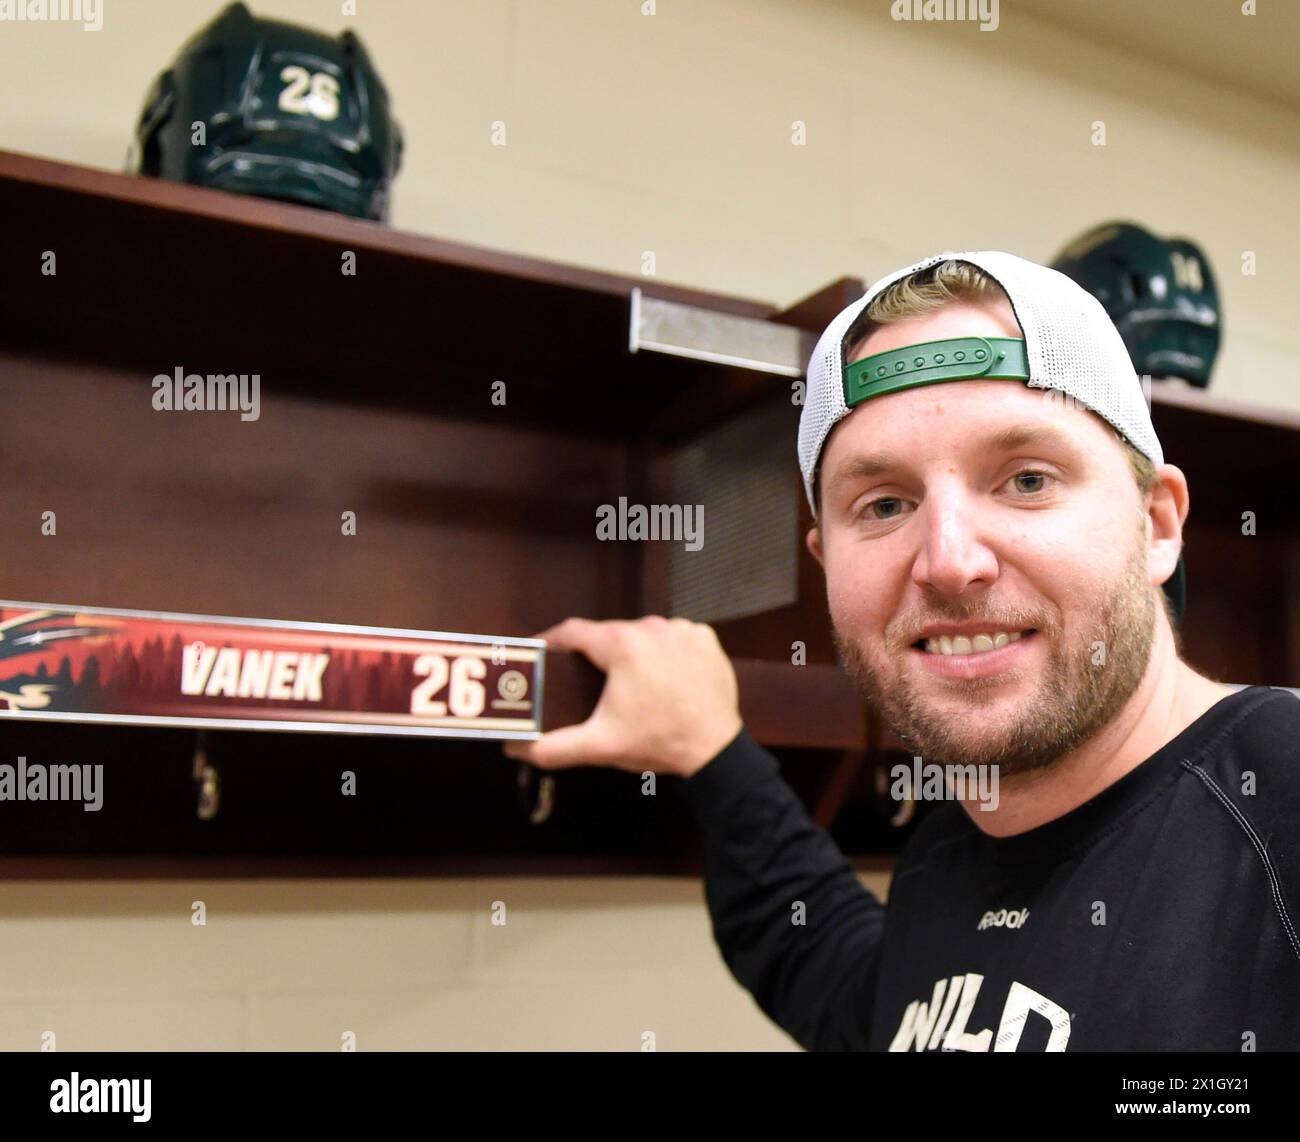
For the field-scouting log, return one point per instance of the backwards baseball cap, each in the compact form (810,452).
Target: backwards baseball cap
(1070,345)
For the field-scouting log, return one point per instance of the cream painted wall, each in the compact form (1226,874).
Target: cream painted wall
(629,133)
(671,133)
(403,965)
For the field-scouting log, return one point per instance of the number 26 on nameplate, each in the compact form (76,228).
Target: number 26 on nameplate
(465,698)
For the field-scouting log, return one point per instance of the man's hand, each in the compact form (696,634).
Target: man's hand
(669,704)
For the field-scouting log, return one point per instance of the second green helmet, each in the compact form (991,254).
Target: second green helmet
(1159,292)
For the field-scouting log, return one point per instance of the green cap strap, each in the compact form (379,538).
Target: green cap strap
(956,359)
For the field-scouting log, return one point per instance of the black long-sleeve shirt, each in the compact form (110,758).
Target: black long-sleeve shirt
(1161,915)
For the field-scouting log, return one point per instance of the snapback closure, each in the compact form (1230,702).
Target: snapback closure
(953,359)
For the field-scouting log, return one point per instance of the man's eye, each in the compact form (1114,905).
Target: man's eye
(1030,474)
(891,509)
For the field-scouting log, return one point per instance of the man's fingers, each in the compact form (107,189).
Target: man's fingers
(558,749)
(595,639)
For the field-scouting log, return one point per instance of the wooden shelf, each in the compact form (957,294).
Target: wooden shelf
(805,707)
(486,527)
(156,275)
(377,398)
(1209,403)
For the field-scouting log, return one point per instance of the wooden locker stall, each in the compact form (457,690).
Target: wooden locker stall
(474,409)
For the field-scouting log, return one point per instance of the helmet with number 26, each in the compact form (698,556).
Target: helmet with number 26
(1159,292)
(271,109)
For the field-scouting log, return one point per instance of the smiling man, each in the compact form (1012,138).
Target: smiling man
(995,520)
(1010,512)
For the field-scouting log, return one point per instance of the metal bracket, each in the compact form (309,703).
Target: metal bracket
(725,339)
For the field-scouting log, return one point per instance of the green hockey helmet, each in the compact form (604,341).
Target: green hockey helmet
(1159,292)
(276,110)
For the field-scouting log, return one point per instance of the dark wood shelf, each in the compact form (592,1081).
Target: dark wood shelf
(203,515)
(154,275)
(377,397)
(804,707)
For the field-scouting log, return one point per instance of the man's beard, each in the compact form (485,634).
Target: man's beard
(1074,699)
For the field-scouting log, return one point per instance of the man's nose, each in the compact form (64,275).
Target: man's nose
(954,558)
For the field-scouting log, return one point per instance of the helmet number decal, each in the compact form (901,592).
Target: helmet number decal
(1187,271)
(314,93)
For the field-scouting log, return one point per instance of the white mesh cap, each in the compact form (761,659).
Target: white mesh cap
(1070,342)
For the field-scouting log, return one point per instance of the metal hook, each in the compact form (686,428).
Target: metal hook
(538,803)
(207,777)
(906,808)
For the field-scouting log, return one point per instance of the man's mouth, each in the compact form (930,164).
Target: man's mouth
(970,645)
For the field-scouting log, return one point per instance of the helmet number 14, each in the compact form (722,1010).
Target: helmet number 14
(1187,271)
(309,93)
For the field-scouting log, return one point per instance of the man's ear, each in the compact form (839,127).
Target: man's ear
(1166,512)
(814,542)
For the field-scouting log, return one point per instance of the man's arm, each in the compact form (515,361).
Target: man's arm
(791,919)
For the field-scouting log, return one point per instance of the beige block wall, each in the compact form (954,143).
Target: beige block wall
(591,965)
(671,134)
(630,135)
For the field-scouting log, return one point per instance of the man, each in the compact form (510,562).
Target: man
(995,518)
